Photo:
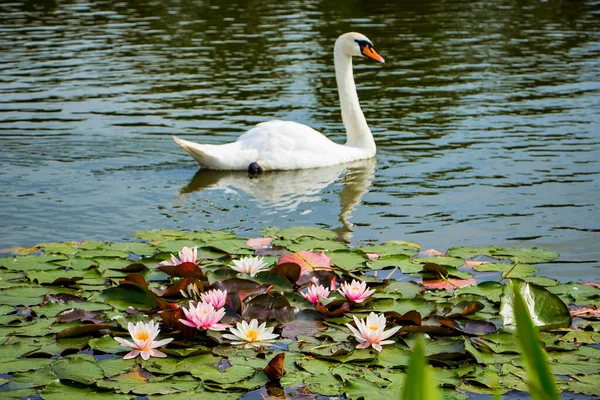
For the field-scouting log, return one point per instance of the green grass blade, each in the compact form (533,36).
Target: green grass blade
(541,381)
(420,382)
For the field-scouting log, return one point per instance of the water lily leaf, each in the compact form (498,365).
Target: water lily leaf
(117,365)
(230,246)
(184,270)
(509,270)
(306,323)
(106,344)
(82,330)
(401,261)
(269,305)
(391,249)
(175,245)
(445,261)
(27,263)
(239,285)
(135,382)
(398,289)
(527,255)
(473,252)
(325,384)
(348,260)
(23,365)
(485,357)
(488,289)
(308,261)
(475,327)
(139,248)
(401,306)
(66,248)
(234,374)
(296,232)
(60,391)
(32,379)
(290,271)
(546,309)
(78,370)
(106,253)
(78,314)
(313,244)
(158,234)
(361,388)
(448,284)
(393,357)
(590,385)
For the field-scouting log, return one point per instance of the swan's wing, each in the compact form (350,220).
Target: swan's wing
(285,136)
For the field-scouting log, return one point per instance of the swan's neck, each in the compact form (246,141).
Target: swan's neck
(357,130)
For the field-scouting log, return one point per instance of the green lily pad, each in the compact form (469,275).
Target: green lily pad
(391,249)
(546,309)
(78,370)
(296,232)
(27,263)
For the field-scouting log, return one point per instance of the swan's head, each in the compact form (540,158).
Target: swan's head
(357,44)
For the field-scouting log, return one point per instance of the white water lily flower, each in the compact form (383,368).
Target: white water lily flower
(143,336)
(371,332)
(249,265)
(251,335)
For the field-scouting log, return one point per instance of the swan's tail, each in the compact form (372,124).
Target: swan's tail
(198,151)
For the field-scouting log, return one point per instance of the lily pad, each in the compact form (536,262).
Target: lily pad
(546,309)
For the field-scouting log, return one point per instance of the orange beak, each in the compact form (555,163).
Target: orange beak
(370,52)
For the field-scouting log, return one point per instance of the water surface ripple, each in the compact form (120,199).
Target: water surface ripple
(486,116)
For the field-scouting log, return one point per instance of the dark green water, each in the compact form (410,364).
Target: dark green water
(486,116)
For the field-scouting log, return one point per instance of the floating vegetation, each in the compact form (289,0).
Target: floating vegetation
(291,313)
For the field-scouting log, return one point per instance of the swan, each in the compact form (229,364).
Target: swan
(287,145)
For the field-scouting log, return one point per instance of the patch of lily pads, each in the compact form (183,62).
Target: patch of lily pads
(292,313)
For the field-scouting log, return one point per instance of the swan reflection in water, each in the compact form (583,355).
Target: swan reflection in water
(287,190)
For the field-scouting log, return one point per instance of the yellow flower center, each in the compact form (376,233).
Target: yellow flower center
(252,334)
(142,336)
(373,327)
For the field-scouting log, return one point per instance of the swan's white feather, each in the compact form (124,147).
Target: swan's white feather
(273,145)
(286,145)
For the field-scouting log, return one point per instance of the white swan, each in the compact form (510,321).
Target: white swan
(285,145)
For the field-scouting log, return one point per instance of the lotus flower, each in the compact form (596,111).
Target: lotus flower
(143,336)
(186,255)
(314,292)
(191,292)
(204,316)
(371,332)
(251,334)
(249,265)
(356,291)
(216,297)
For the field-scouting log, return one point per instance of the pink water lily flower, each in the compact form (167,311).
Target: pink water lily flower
(186,255)
(355,291)
(313,293)
(371,332)
(204,316)
(143,344)
(216,297)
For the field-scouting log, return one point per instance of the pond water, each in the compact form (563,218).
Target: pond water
(486,117)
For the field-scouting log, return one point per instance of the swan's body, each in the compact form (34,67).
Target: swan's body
(285,145)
